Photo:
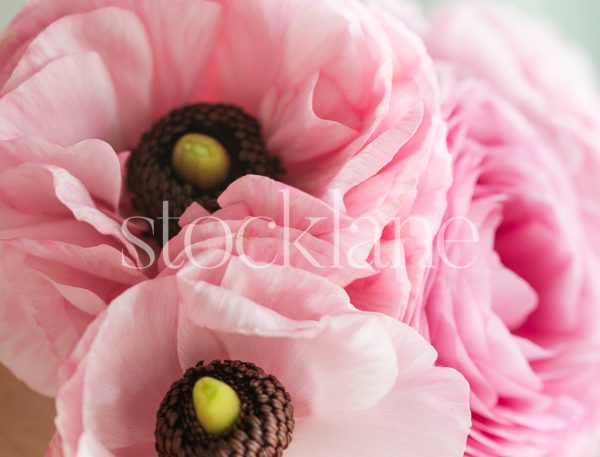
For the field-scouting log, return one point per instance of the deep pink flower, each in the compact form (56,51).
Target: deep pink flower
(523,326)
(515,305)
(360,384)
(552,82)
(346,100)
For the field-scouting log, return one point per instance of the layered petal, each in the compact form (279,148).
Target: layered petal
(361,375)
(64,255)
(511,295)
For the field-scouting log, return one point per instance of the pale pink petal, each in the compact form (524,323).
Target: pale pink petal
(126,416)
(118,37)
(92,162)
(261,339)
(35,331)
(172,36)
(398,424)
(49,104)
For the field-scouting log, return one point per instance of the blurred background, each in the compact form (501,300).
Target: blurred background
(8,8)
(577,18)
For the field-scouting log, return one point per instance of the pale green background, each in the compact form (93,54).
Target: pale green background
(8,9)
(580,19)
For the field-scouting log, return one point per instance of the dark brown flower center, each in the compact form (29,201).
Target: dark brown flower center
(263,426)
(192,155)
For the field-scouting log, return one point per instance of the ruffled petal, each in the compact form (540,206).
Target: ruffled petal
(116,36)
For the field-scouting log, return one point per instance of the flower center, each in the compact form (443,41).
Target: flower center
(201,161)
(225,408)
(217,405)
(192,155)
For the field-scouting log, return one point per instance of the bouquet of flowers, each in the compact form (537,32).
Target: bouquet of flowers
(300,228)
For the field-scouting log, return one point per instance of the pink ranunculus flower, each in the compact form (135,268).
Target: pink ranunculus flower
(327,96)
(63,256)
(515,306)
(358,383)
(537,69)
(345,99)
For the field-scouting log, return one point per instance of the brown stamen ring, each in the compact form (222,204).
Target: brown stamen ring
(263,429)
(152,179)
